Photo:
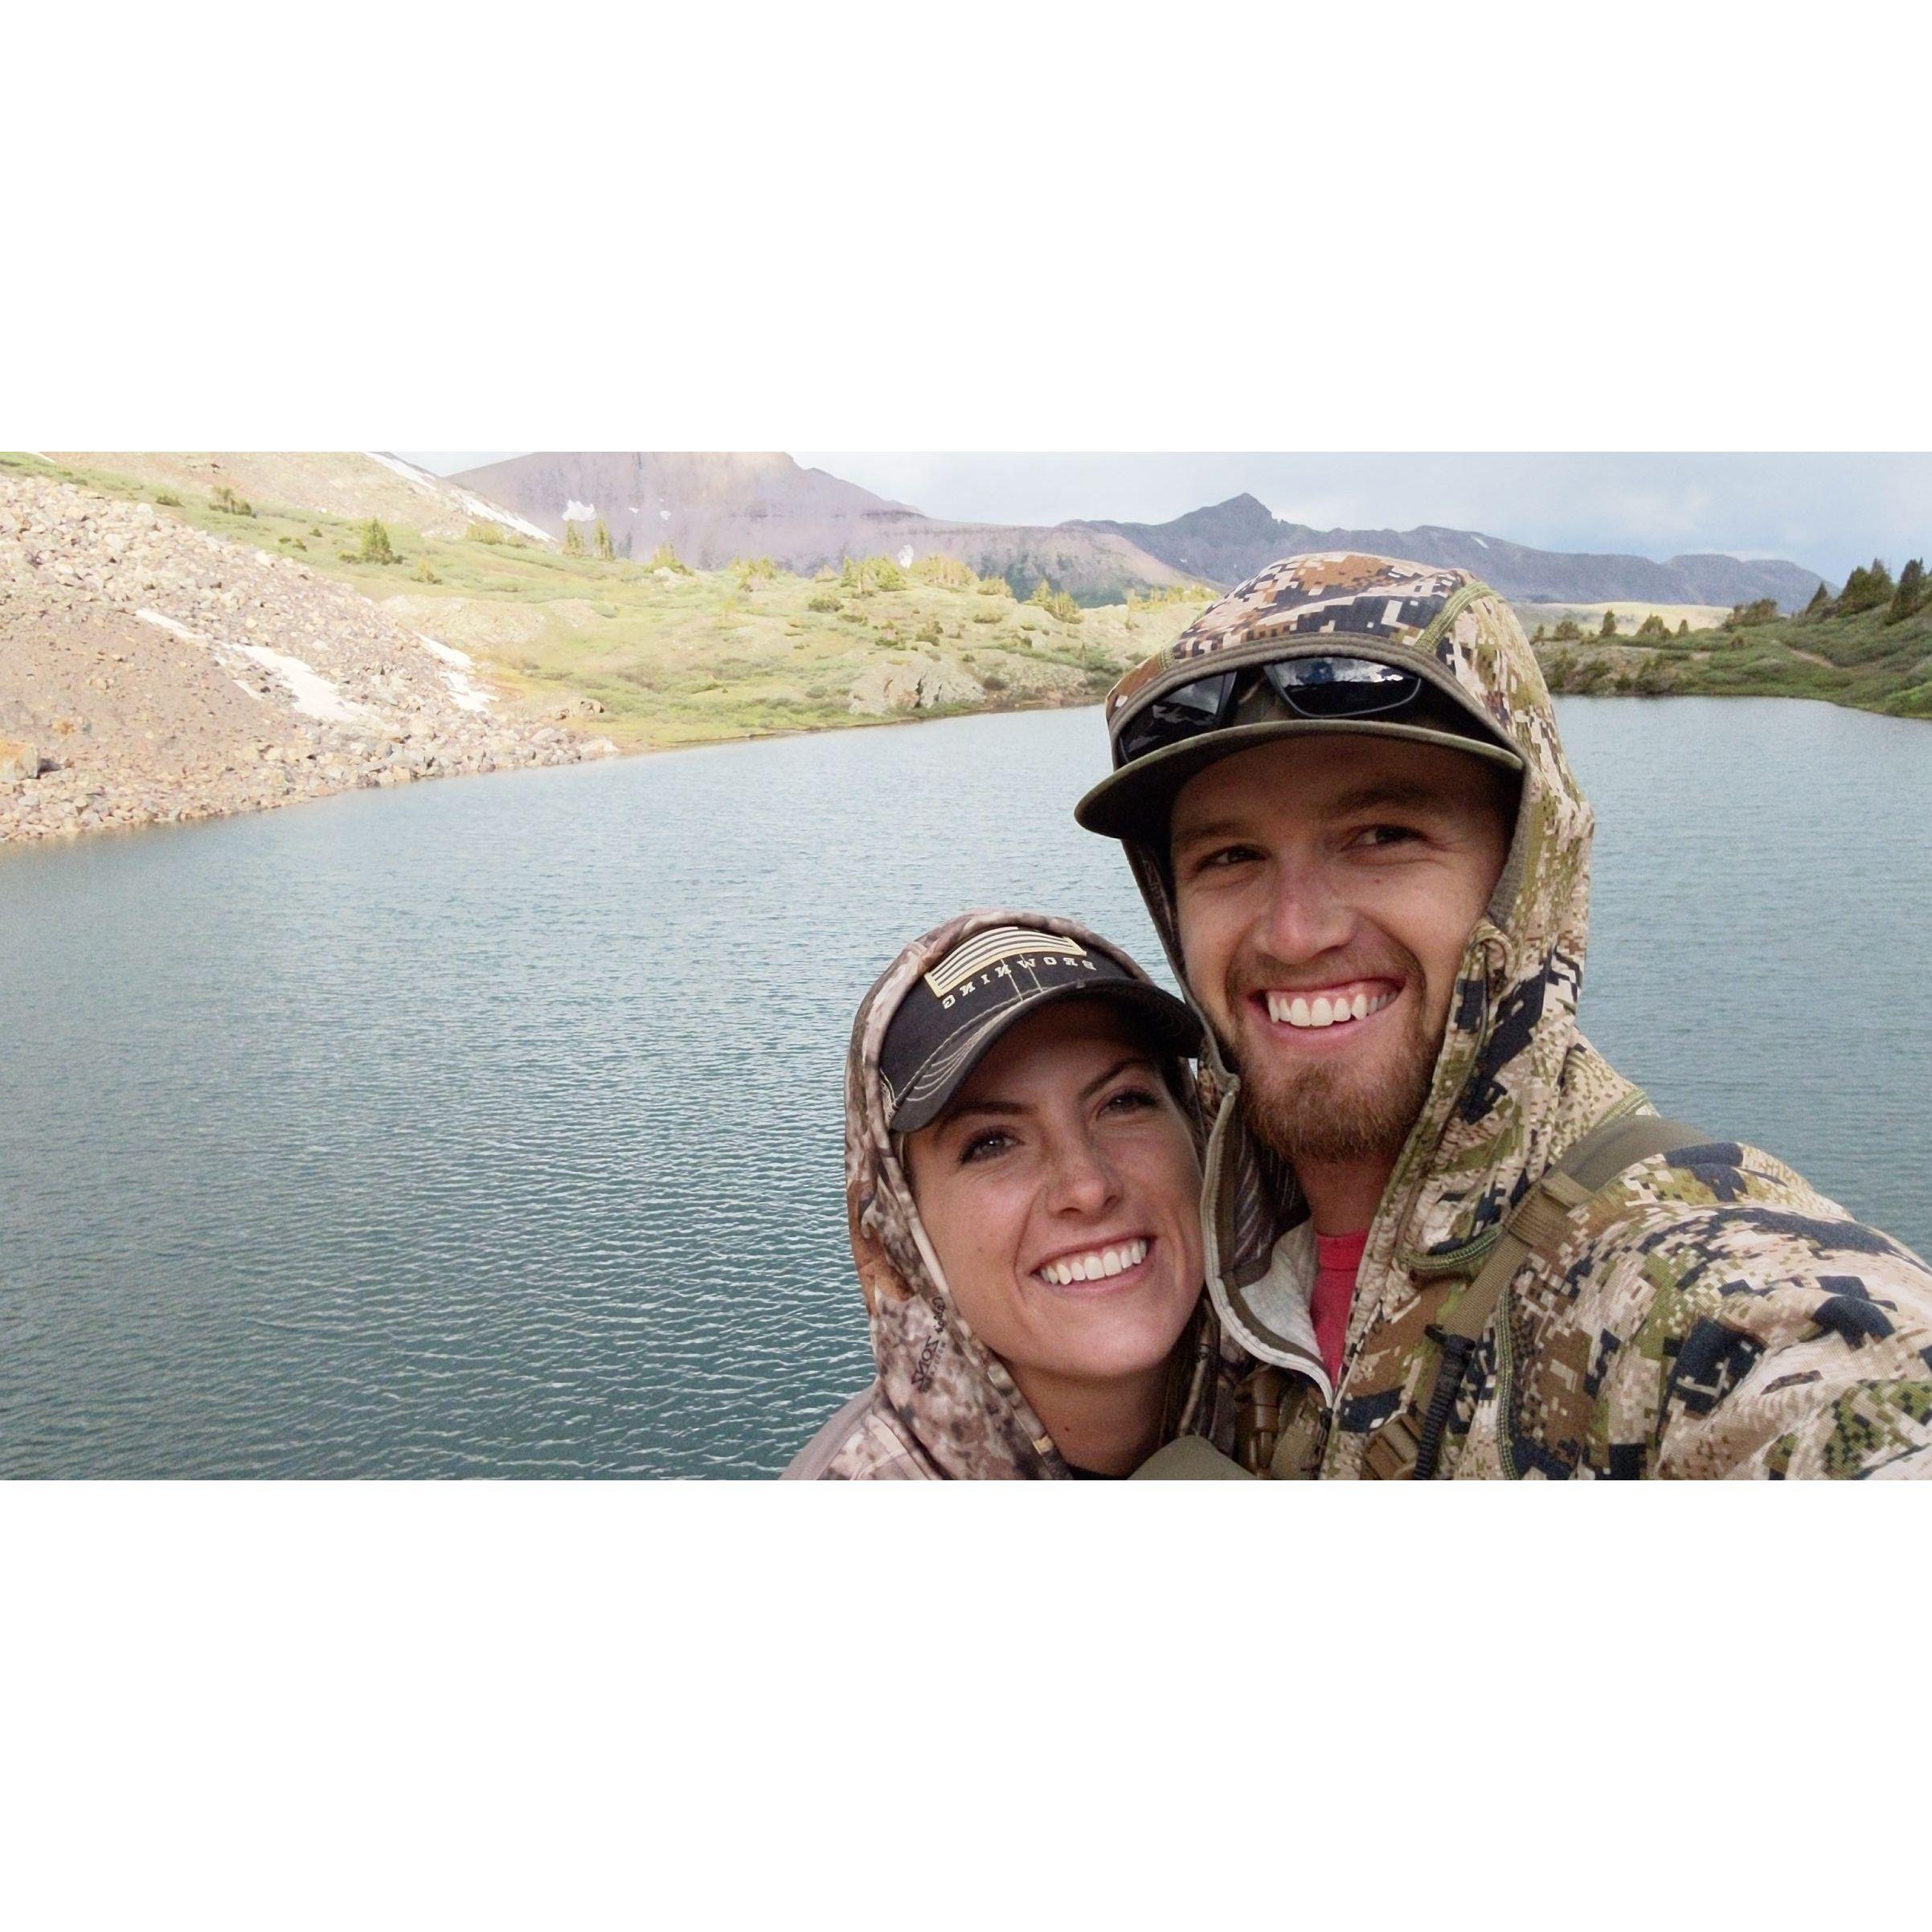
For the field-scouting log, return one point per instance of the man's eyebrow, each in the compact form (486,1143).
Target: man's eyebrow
(1404,792)
(1227,826)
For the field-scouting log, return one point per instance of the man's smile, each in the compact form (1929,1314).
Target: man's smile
(1328,1015)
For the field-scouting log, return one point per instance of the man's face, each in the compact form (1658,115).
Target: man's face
(1326,886)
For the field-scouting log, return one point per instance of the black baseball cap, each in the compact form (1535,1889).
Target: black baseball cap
(955,1011)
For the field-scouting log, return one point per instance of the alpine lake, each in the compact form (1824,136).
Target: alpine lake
(493,1126)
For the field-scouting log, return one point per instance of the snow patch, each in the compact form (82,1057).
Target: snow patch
(575,512)
(315,697)
(247,690)
(467,500)
(408,471)
(168,624)
(1475,538)
(448,653)
(464,693)
(664,516)
(906,558)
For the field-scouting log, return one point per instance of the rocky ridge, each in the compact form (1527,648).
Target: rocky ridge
(151,672)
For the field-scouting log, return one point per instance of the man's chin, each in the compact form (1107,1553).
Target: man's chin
(1333,1113)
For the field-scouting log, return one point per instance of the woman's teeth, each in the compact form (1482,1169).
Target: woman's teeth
(1095,1266)
(1293,1010)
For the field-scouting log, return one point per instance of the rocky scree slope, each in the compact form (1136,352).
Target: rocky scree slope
(151,672)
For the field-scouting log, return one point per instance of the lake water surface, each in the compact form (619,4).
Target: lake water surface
(494,1126)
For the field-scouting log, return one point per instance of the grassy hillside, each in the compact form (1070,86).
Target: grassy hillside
(662,655)
(1860,660)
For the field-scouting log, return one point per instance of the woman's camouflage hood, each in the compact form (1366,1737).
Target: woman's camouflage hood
(1515,1081)
(942,1385)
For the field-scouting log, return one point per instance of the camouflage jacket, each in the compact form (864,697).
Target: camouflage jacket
(942,1404)
(1709,1315)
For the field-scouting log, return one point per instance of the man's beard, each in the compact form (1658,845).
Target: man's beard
(1319,1112)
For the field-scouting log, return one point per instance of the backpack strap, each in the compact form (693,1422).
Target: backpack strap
(1535,1226)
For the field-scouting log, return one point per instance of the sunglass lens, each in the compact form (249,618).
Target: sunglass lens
(1341,687)
(1194,708)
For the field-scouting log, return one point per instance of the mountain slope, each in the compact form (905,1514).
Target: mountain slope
(1228,541)
(359,484)
(711,508)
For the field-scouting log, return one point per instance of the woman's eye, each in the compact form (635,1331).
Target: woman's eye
(1132,1100)
(993,1141)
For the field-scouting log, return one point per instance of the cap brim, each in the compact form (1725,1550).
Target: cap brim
(1137,799)
(1172,1025)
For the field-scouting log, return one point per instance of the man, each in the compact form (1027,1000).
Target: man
(1458,1241)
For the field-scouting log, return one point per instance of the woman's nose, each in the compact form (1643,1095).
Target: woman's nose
(1082,1180)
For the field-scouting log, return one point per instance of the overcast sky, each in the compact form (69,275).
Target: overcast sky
(1829,512)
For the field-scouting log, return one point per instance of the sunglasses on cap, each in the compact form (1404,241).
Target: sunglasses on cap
(1311,687)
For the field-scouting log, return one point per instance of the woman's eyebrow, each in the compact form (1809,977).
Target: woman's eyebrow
(1120,1066)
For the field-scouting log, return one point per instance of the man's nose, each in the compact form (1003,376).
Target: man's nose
(1308,915)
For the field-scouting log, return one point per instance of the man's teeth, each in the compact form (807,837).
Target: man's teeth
(1321,1011)
(1095,1265)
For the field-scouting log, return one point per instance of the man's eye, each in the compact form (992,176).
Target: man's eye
(1378,836)
(1224,856)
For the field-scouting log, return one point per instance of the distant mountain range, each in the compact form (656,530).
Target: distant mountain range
(1229,542)
(710,509)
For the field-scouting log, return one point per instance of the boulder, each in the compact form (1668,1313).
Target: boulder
(19,759)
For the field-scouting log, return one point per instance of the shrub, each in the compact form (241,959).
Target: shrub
(292,542)
(425,574)
(1653,626)
(986,616)
(945,573)
(1567,631)
(993,586)
(821,603)
(376,546)
(929,633)
(481,532)
(573,539)
(664,557)
(1056,604)
(168,497)
(225,499)
(1651,680)
(884,573)
(993,681)
(1762,610)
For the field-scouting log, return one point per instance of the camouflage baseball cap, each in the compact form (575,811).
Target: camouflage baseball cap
(988,982)
(1325,643)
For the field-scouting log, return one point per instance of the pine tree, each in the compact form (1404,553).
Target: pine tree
(376,546)
(573,540)
(1684,627)
(1910,596)
(604,542)
(1820,598)
(1609,624)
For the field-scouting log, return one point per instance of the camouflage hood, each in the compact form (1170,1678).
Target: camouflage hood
(944,1404)
(1515,1082)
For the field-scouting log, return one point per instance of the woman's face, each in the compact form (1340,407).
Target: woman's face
(1062,1194)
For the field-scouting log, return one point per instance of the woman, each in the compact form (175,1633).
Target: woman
(1022,1184)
